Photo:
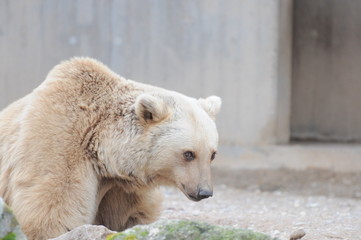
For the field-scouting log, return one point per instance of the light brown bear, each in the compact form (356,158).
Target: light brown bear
(90,147)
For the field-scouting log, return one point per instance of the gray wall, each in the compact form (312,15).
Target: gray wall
(237,49)
(326,92)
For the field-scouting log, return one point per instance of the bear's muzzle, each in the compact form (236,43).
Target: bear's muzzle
(202,193)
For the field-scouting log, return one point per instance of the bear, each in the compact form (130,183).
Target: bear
(88,146)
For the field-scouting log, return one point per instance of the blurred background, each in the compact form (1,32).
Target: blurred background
(287,71)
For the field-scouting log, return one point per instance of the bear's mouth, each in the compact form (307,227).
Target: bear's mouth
(189,196)
(192,198)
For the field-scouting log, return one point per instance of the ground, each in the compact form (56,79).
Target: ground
(325,204)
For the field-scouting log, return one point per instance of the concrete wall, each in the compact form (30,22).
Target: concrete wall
(326,70)
(237,49)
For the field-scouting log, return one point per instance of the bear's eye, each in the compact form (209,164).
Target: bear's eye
(213,155)
(189,156)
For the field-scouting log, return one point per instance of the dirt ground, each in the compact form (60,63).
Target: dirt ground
(325,204)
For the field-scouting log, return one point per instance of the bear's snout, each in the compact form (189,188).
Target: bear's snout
(202,193)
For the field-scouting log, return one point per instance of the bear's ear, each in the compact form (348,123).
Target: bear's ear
(211,105)
(151,109)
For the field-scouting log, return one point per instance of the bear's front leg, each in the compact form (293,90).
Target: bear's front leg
(54,204)
(119,210)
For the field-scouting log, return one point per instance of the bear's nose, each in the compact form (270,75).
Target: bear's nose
(204,193)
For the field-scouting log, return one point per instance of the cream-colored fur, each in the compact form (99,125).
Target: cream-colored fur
(88,146)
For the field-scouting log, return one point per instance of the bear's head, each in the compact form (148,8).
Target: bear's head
(168,139)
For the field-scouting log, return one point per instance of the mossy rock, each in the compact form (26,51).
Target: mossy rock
(186,230)
(9,226)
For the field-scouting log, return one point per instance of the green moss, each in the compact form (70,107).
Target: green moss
(116,236)
(144,233)
(111,236)
(7,210)
(14,223)
(9,236)
(131,237)
(186,230)
(122,236)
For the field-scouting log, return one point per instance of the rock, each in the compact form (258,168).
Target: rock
(187,230)
(297,234)
(87,232)
(9,226)
(160,230)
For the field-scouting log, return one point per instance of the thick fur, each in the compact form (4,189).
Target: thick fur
(88,146)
